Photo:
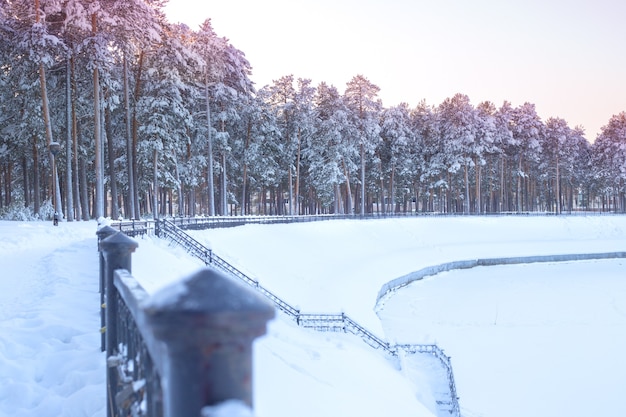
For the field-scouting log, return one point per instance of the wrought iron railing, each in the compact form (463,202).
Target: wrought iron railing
(339,322)
(174,336)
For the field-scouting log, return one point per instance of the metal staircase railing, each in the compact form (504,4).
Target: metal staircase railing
(452,404)
(341,322)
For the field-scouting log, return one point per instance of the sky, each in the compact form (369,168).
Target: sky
(545,359)
(563,56)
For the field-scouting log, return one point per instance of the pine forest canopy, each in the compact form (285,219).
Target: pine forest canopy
(108,109)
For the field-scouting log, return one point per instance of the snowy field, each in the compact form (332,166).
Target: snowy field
(534,339)
(541,340)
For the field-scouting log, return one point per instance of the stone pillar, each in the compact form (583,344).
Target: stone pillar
(207,323)
(117,250)
(102,234)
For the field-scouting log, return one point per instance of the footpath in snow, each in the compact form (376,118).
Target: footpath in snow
(50,360)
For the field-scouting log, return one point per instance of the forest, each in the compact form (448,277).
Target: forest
(109,109)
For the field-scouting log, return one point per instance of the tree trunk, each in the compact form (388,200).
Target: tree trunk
(26,183)
(392,186)
(477,169)
(36,185)
(362,205)
(84,192)
(155,181)
(558,185)
(68,142)
(99,169)
(350,207)
(49,140)
(466,205)
(75,183)
(130,192)
(211,187)
(115,210)
(8,173)
(181,201)
(297,200)
(133,155)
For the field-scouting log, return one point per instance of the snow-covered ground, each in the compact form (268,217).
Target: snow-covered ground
(556,354)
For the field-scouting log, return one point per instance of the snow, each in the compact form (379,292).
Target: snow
(229,408)
(536,339)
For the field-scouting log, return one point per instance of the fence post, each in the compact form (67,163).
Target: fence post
(117,250)
(207,323)
(102,234)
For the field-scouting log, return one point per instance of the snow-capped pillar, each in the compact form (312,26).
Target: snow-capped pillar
(207,323)
(117,250)
(102,234)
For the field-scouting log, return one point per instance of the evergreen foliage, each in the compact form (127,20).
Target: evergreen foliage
(182,130)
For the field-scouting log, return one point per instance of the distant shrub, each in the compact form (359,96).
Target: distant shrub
(17,212)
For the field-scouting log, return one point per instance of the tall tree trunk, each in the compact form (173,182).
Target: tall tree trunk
(502,185)
(179,190)
(224,177)
(68,142)
(224,186)
(290,179)
(135,138)
(115,210)
(36,184)
(8,192)
(362,205)
(84,190)
(350,208)
(477,170)
(99,169)
(392,187)
(1,186)
(245,170)
(519,184)
(48,123)
(155,180)
(558,184)
(76,186)
(211,187)
(129,144)
(56,197)
(466,205)
(26,182)
(297,197)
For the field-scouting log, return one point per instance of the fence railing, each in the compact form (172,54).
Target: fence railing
(340,322)
(452,403)
(196,335)
(135,228)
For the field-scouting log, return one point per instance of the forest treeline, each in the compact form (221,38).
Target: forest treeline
(109,109)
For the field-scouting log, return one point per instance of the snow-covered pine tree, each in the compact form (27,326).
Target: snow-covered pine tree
(361,97)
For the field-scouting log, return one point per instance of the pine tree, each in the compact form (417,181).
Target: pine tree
(361,99)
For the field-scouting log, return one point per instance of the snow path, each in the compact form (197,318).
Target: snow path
(49,322)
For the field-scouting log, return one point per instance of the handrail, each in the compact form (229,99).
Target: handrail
(322,322)
(444,359)
(155,338)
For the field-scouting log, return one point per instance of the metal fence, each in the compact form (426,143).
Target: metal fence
(170,354)
(135,228)
(339,322)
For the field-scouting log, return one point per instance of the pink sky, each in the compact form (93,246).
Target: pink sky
(566,57)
